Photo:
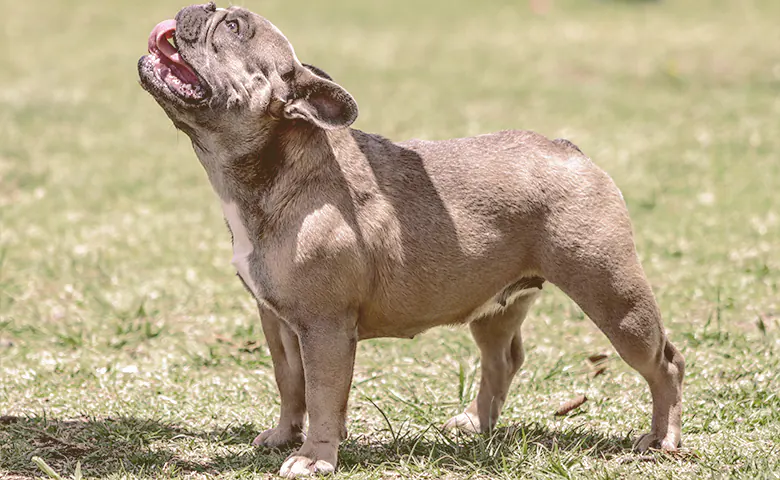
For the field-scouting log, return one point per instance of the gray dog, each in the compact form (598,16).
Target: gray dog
(342,235)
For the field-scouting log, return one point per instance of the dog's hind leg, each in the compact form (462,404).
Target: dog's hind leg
(288,370)
(592,258)
(623,307)
(501,347)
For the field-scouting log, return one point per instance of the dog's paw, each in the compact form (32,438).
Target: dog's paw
(302,466)
(277,437)
(670,443)
(465,422)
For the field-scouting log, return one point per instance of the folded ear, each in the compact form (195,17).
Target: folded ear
(320,102)
(318,71)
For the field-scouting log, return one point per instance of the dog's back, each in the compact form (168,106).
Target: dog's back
(453,211)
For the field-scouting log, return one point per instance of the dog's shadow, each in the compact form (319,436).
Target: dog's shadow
(149,448)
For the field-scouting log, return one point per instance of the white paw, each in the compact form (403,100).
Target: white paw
(301,466)
(465,422)
(670,443)
(277,437)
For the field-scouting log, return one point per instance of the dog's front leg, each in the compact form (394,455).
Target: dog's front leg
(288,370)
(328,352)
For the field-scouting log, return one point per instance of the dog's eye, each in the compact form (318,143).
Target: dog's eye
(232,25)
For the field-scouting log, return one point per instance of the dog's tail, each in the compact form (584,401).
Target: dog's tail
(567,145)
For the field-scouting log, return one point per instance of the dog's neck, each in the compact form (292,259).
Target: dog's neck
(246,172)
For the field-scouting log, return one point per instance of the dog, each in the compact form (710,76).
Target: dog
(342,235)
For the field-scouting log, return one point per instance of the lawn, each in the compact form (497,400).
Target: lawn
(128,345)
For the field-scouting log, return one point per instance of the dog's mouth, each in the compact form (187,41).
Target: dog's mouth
(167,66)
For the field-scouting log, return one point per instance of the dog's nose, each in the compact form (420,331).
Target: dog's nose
(190,21)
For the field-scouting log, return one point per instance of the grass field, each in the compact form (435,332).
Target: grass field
(127,344)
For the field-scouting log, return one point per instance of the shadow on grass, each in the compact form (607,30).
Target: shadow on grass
(148,448)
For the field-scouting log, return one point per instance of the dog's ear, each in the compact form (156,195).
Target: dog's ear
(320,101)
(318,71)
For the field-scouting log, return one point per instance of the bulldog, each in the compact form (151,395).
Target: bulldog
(342,235)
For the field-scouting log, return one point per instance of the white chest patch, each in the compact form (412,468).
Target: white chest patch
(242,246)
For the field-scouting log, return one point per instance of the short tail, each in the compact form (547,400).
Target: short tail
(563,143)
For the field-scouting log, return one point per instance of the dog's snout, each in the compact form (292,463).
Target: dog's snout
(191,20)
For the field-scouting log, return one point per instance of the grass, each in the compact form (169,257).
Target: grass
(127,345)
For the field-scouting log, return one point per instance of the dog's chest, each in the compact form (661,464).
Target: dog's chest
(242,246)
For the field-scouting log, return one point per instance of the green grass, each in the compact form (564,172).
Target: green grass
(126,343)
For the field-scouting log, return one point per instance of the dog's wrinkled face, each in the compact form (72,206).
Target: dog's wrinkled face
(223,70)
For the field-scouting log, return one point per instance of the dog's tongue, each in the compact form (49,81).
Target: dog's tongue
(158,43)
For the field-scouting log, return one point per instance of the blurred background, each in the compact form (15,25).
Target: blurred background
(121,319)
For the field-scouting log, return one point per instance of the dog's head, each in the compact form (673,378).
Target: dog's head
(232,72)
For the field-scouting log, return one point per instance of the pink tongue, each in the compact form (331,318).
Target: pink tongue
(158,42)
